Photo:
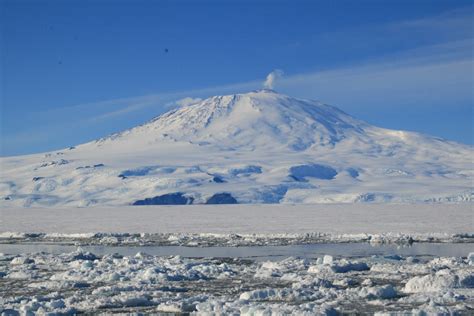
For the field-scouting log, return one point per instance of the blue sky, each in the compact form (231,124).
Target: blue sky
(73,71)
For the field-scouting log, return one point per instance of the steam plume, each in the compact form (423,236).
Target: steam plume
(270,81)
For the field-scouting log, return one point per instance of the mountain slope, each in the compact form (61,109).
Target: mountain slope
(258,147)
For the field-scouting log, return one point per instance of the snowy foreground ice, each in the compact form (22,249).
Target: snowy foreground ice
(67,279)
(81,281)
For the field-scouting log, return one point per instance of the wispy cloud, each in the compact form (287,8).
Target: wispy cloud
(130,105)
(386,85)
(458,21)
(163,101)
(185,102)
(139,103)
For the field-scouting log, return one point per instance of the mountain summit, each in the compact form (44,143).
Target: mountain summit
(257,120)
(257,147)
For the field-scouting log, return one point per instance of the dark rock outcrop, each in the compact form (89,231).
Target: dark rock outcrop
(222,198)
(218,179)
(312,171)
(166,199)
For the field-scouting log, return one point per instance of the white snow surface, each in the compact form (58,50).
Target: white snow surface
(245,219)
(236,225)
(262,147)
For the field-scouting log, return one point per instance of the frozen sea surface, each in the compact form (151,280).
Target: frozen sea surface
(259,253)
(334,219)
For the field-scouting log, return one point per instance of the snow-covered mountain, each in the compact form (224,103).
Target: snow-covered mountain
(258,147)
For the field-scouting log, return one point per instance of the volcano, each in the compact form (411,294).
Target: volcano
(256,147)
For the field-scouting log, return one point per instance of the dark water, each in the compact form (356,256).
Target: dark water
(346,250)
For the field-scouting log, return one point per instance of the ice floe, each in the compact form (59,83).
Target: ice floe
(82,282)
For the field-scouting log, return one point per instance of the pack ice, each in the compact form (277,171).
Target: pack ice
(257,147)
(81,282)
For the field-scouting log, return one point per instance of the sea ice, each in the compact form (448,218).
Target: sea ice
(82,282)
